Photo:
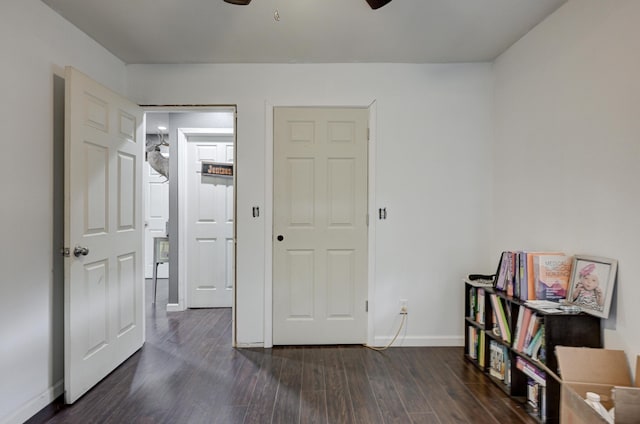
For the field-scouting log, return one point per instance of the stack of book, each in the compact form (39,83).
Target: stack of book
(534,275)
(499,363)
(529,333)
(500,317)
(531,371)
(476,304)
(476,344)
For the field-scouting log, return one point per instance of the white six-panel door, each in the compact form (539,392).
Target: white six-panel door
(210,244)
(320,226)
(103,289)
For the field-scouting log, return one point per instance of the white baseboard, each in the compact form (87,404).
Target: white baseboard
(422,341)
(249,345)
(174,307)
(34,406)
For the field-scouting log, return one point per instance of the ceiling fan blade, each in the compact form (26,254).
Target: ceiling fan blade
(375,4)
(241,2)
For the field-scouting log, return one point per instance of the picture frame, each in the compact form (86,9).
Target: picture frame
(591,284)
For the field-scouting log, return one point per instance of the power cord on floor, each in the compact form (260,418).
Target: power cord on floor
(380,349)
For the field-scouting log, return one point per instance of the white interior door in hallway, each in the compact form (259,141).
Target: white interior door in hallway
(320,226)
(104,273)
(156,202)
(209,213)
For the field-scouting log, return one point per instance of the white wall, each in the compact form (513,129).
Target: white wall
(567,146)
(35,44)
(433,175)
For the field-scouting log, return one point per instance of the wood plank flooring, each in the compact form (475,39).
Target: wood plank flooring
(187,372)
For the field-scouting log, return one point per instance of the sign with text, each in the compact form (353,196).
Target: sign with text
(217,169)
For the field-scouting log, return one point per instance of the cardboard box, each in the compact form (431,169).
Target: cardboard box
(601,371)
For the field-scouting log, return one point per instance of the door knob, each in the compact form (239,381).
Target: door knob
(77,251)
(280,237)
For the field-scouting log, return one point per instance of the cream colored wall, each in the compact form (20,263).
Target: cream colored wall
(35,44)
(432,173)
(567,146)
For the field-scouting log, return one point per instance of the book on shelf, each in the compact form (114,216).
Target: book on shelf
(534,347)
(481,350)
(480,306)
(522,329)
(498,359)
(554,272)
(543,402)
(517,330)
(500,317)
(475,342)
(534,324)
(512,275)
(471,339)
(476,304)
(533,394)
(530,275)
(501,273)
(531,371)
(532,272)
(523,283)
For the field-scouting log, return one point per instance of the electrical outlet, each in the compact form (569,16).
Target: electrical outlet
(404,306)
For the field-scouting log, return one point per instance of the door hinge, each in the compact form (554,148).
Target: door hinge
(367,220)
(65,251)
(366,306)
(368,134)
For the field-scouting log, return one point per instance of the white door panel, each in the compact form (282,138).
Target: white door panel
(320,211)
(209,228)
(103,213)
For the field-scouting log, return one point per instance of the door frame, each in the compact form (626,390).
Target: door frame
(192,108)
(371,106)
(183,133)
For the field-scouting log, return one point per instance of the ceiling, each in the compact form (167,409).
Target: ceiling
(305,31)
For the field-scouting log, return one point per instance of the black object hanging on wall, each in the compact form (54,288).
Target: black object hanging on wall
(375,4)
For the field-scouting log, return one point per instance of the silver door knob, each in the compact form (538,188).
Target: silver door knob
(77,251)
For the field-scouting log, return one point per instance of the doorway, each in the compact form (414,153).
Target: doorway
(205,121)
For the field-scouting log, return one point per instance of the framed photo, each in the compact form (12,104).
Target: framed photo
(591,284)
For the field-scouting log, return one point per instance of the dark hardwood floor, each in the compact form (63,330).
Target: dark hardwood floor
(187,372)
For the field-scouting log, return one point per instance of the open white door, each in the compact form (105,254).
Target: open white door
(104,304)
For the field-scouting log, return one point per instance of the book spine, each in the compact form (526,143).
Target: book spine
(525,327)
(524,281)
(531,286)
(480,306)
(501,277)
(472,302)
(518,330)
(510,273)
(481,350)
